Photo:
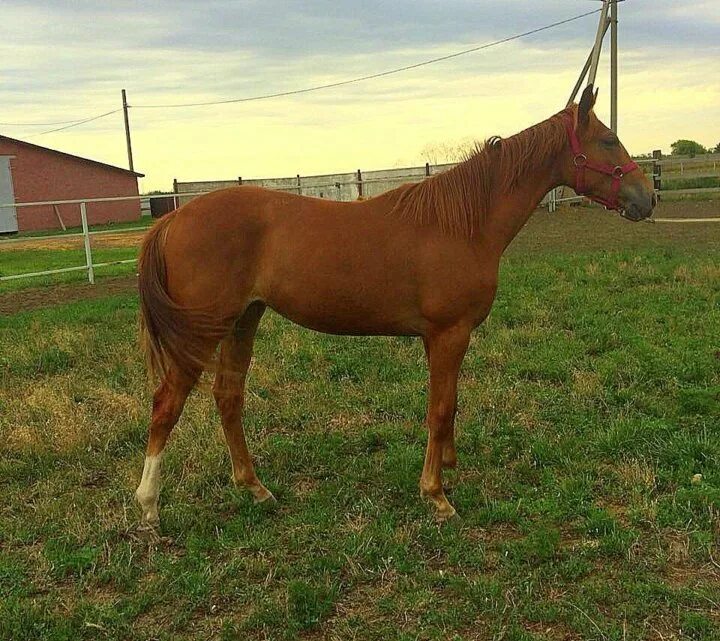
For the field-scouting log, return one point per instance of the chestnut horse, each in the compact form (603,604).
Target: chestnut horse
(420,260)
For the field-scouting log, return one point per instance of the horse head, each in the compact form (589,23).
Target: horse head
(598,166)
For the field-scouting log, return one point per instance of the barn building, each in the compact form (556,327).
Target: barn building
(31,173)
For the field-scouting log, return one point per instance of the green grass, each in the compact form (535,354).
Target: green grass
(37,260)
(691,183)
(21,261)
(588,402)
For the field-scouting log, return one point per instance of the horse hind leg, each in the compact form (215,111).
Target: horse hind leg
(168,402)
(229,391)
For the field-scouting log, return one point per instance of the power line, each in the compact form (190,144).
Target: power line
(76,123)
(38,124)
(370,76)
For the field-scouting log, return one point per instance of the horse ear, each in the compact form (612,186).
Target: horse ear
(587,102)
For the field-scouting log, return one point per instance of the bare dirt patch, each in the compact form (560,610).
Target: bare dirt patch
(39,297)
(572,229)
(115,239)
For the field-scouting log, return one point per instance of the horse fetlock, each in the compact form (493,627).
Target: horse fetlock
(149,504)
(150,520)
(429,490)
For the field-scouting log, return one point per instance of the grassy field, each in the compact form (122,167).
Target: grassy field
(691,182)
(589,405)
(36,251)
(28,260)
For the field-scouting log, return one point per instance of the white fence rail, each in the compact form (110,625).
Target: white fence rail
(89,266)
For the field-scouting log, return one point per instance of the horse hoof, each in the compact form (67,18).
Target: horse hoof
(443,510)
(446,515)
(263,495)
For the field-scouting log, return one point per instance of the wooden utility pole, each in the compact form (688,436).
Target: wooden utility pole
(613,66)
(584,71)
(127,131)
(598,42)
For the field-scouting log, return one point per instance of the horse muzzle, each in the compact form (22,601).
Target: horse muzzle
(637,203)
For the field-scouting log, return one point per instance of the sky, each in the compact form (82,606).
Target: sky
(67,60)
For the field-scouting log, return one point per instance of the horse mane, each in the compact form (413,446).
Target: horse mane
(458,200)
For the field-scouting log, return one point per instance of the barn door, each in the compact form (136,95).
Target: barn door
(8,215)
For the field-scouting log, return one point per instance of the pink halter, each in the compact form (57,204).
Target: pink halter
(582,162)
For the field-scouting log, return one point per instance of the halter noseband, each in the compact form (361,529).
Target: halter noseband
(582,162)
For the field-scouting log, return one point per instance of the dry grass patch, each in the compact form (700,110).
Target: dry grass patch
(586,384)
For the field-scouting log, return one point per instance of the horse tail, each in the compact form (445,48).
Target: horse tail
(174,338)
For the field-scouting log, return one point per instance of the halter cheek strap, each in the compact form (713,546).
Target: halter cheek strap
(583,163)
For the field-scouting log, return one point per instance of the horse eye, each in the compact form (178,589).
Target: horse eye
(611,142)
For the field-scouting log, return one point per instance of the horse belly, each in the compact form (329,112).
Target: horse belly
(346,311)
(340,293)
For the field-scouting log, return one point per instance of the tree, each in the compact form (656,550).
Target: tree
(446,152)
(687,148)
(717,149)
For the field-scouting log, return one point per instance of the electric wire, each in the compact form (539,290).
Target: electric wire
(39,124)
(76,124)
(381,74)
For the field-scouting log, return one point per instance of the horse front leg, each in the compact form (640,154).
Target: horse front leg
(449,455)
(445,350)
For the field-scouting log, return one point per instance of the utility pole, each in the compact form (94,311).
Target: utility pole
(613,66)
(598,42)
(585,69)
(127,131)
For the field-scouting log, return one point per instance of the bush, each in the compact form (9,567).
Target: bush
(687,148)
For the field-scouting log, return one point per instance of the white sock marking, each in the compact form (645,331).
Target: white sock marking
(149,488)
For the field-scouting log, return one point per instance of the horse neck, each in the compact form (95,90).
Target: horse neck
(489,197)
(509,211)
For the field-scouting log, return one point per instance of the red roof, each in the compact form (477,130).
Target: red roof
(71,156)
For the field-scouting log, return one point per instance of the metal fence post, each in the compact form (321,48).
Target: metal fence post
(86,239)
